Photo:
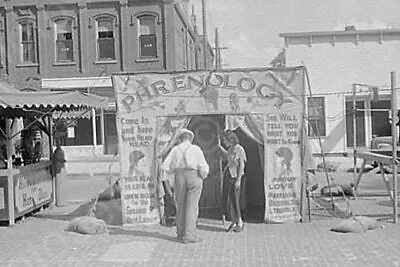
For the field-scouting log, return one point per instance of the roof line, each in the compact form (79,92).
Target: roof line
(348,32)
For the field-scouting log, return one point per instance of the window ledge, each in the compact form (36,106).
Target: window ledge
(67,63)
(25,65)
(106,62)
(140,60)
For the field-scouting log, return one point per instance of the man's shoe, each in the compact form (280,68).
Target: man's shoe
(230,228)
(180,238)
(191,240)
(238,228)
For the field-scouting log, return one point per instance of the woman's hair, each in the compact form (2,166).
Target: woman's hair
(232,137)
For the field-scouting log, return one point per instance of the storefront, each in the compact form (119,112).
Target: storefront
(95,133)
(26,180)
(265,107)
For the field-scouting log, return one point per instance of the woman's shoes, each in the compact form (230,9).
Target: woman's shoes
(231,227)
(238,228)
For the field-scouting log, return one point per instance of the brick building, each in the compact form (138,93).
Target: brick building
(77,45)
(335,61)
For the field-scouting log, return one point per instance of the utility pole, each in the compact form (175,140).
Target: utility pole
(218,58)
(394,144)
(217,54)
(204,33)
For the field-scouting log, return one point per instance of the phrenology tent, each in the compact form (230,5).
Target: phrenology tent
(265,107)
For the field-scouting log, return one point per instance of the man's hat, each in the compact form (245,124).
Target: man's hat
(185,131)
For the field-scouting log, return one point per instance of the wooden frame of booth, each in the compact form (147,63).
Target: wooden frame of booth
(383,157)
(28,188)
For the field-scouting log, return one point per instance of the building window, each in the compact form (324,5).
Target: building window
(147,36)
(316,116)
(64,40)
(105,39)
(27,42)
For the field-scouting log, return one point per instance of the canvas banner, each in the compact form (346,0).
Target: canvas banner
(283,172)
(145,101)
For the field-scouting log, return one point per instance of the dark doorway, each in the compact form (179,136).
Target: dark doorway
(206,130)
(255,193)
(360,124)
(380,119)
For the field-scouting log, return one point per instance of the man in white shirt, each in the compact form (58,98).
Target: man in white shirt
(190,168)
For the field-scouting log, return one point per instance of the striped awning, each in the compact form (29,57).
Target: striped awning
(33,103)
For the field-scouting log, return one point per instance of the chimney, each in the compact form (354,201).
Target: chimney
(350,28)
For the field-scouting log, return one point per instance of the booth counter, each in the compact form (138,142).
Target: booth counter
(32,188)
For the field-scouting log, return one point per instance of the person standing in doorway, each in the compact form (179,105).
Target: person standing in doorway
(189,165)
(234,181)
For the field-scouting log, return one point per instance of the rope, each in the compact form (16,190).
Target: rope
(323,153)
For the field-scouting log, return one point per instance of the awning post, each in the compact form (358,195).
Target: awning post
(10,181)
(94,131)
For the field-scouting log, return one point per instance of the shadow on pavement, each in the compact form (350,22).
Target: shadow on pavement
(210,228)
(141,233)
(110,211)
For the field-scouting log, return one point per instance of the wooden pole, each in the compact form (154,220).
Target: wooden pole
(354,135)
(51,140)
(10,178)
(205,47)
(394,143)
(94,132)
(216,49)
(102,131)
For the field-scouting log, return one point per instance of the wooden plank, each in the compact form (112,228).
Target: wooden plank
(386,160)
(386,152)
(386,181)
(358,179)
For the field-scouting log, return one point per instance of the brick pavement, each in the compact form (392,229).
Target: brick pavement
(40,241)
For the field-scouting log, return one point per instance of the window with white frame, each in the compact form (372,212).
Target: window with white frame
(316,116)
(147,36)
(64,40)
(105,38)
(27,45)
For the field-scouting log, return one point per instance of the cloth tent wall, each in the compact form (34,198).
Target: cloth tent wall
(273,98)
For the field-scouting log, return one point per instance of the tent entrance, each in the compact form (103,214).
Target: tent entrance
(254,191)
(207,129)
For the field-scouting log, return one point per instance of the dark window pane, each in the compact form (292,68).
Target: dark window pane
(106,35)
(148,45)
(64,36)
(106,49)
(105,39)
(24,29)
(316,116)
(28,45)
(64,42)
(65,51)
(28,52)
